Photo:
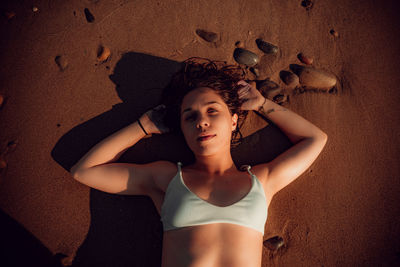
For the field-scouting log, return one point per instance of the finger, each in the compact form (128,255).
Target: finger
(243,90)
(242,82)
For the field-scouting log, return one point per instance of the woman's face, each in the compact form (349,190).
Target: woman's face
(206,122)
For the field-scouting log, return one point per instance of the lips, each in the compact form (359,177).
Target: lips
(205,137)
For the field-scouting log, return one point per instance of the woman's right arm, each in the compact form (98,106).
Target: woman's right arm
(98,169)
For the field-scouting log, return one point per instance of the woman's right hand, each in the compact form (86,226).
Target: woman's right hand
(153,120)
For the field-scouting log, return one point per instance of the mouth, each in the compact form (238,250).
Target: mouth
(205,138)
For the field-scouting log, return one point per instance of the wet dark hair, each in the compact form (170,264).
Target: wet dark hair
(201,72)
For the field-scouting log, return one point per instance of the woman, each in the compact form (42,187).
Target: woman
(213,214)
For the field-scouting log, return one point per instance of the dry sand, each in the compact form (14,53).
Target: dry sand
(343,211)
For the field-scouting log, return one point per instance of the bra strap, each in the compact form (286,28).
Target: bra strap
(179,165)
(247,168)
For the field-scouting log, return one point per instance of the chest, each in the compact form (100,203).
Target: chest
(218,191)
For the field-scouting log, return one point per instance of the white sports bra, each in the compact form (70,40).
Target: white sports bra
(182,208)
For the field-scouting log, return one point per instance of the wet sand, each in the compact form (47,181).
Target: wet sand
(343,211)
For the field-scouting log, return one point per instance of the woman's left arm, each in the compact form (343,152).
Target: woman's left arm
(307,138)
(308,142)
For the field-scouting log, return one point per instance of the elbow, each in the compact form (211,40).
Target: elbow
(323,138)
(74,172)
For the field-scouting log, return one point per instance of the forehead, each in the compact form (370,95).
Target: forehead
(200,96)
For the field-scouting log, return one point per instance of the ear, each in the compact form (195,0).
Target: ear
(234,121)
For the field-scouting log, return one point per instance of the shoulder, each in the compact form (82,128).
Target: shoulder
(261,171)
(163,172)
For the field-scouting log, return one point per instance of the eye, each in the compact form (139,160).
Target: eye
(211,110)
(190,117)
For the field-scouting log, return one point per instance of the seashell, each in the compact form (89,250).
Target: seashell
(62,62)
(334,33)
(103,53)
(266,47)
(304,59)
(208,36)
(274,243)
(89,16)
(313,78)
(289,78)
(268,88)
(243,56)
(239,44)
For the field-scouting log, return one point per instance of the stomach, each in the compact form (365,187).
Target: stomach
(212,245)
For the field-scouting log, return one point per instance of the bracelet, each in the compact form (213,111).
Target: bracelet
(141,126)
(261,108)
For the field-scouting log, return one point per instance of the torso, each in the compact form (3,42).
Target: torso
(218,244)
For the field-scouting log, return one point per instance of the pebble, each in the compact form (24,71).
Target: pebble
(89,15)
(308,4)
(103,53)
(10,14)
(239,44)
(274,243)
(11,146)
(1,100)
(246,57)
(266,47)
(62,62)
(208,36)
(35,9)
(3,163)
(289,78)
(334,33)
(280,98)
(255,71)
(313,78)
(305,59)
(268,88)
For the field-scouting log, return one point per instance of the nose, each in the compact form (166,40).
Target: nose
(202,121)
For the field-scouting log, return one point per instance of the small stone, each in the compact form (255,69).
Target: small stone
(304,59)
(243,56)
(334,33)
(3,163)
(89,15)
(9,14)
(310,77)
(289,78)
(239,44)
(268,88)
(280,98)
(207,36)
(274,243)
(308,4)
(35,9)
(11,146)
(103,53)
(266,47)
(255,71)
(62,62)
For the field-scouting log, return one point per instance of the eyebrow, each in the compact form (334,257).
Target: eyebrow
(208,103)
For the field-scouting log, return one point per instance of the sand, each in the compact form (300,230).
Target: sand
(343,211)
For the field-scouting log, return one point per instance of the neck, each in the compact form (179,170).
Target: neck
(214,164)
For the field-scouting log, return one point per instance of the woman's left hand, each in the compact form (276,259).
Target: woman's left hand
(253,99)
